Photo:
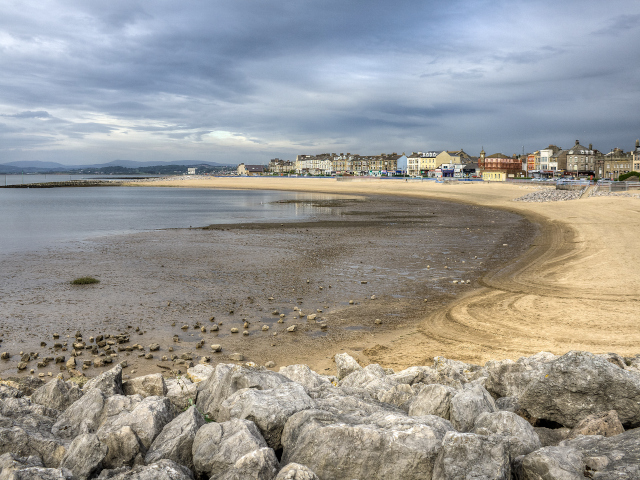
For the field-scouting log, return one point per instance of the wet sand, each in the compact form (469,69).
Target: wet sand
(406,252)
(576,288)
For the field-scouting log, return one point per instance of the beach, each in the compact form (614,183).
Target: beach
(391,272)
(575,288)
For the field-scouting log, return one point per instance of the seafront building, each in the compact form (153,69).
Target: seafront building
(498,167)
(615,163)
(279,166)
(549,162)
(348,164)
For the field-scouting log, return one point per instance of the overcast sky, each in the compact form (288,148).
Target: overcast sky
(249,80)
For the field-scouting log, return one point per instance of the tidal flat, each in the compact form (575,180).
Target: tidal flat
(361,268)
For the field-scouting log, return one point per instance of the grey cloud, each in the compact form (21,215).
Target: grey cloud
(280,76)
(620,24)
(28,114)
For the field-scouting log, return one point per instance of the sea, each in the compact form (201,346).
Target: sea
(33,219)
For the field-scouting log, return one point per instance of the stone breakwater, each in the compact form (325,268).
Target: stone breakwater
(541,417)
(548,195)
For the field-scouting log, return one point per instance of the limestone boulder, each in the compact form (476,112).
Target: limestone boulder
(17,408)
(9,391)
(372,378)
(200,372)
(414,375)
(433,400)
(146,386)
(261,464)
(349,401)
(268,409)
(562,463)
(580,384)
(176,439)
(467,455)
(56,394)
(468,404)
(41,473)
(381,446)
(147,420)
(84,456)
(23,443)
(161,470)
(91,411)
(455,373)
(304,376)
(606,424)
(218,446)
(506,378)
(228,379)
(109,382)
(616,457)
(401,396)
(345,364)
(295,471)
(124,448)
(518,435)
(181,392)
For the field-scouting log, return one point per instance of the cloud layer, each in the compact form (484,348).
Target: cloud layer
(248,80)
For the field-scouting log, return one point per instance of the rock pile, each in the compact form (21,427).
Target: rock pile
(550,196)
(541,417)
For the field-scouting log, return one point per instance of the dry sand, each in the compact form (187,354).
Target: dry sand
(576,288)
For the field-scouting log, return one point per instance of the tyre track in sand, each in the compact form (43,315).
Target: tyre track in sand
(576,288)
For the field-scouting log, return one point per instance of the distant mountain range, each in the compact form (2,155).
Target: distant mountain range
(37,166)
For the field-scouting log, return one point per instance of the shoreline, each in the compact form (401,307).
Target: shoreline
(361,245)
(574,289)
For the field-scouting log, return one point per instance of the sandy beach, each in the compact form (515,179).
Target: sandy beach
(555,276)
(575,288)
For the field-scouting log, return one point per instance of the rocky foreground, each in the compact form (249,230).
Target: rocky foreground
(543,417)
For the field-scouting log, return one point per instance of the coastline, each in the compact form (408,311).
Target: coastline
(350,248)
(574,289)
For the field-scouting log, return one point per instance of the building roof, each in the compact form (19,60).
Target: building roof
(498,155)
(254,168)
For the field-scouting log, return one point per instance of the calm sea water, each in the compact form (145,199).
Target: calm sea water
(33,219)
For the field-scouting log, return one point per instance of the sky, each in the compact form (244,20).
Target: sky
(84,82)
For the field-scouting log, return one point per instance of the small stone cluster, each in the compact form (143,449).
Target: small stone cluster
(540,417)
(548,195)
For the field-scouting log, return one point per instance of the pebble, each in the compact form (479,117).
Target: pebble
(265,328)
(270,364)
(184,327)
(377,321)
(292,328)
(238,357)
(234,330)
(216,347)
(246,332)
(351,302)
(373,297)
(281,321)
(214,328)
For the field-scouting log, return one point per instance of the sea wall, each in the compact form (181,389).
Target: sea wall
(544,416)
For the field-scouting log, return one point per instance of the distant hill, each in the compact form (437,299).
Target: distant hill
(37,166)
